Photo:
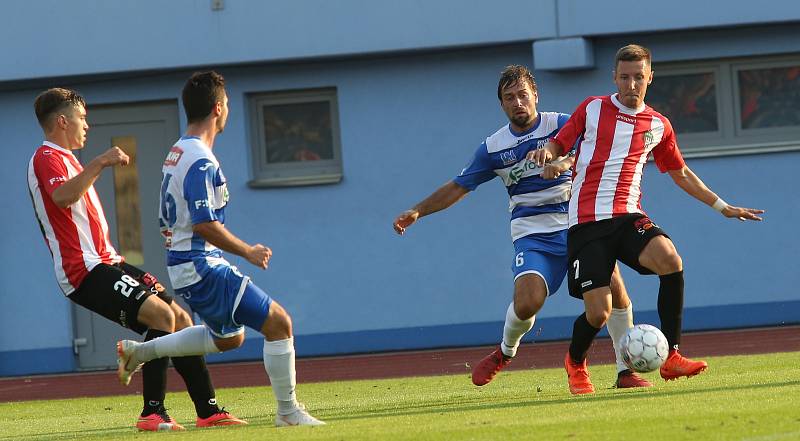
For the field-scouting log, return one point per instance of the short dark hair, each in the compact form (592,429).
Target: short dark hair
(633,52)
(202,91)
(53,101)
(512,75)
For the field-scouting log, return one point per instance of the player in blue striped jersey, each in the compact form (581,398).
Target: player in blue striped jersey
(539,218)
(194,195)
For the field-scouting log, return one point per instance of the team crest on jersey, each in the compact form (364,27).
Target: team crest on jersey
(648,138)
(508,157)
(173,156)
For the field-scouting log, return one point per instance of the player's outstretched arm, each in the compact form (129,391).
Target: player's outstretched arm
(545,154)
(558,166)
(447,195)
(74,189)
(219,236)
(691,183)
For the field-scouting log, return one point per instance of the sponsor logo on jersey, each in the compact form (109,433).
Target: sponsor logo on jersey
(524,138)
(518,171)
(205,166)
(625,118)
(586,283)
(57,179)
(173,156)
(202,203)
(643,224)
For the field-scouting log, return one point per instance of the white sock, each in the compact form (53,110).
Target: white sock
(513,331)
(618,324)
(194,340)
(279,364)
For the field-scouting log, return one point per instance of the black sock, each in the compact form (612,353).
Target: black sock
(154,378)
(198,382)
(670,307)
(583,335)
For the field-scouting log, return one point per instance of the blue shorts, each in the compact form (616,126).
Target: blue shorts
(226,300)
(544,255)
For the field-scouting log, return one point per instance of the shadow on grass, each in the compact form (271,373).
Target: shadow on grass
(469,405)
(462,405)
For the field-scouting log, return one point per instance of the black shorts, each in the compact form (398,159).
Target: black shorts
(116,292)
(593,249)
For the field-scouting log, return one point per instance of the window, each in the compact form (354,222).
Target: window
(295,138)
(769,97)
(688,100)
(730,107)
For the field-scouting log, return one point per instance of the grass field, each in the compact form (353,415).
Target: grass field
(740,398)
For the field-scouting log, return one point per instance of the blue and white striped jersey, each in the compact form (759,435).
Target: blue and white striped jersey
(537,205)
(193,191)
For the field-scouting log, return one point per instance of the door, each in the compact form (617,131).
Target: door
(145,131)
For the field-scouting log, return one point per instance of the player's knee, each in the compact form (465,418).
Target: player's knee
(668,263)
(597,318)
(167,320)
(526,307)
(673,263)
(530,292)
(283,322)
(155,314)
(661,257)
(278,325)
(226,344)
(182,319)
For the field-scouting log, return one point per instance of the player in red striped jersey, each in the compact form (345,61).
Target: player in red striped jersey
(88,269)
(607,222)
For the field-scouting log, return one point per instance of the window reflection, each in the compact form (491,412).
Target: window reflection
(689,101)
(126,194)
(298,132)
(769,97)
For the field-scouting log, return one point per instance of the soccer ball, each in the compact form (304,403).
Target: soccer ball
(644,348)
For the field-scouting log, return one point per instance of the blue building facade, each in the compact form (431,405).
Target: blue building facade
(415,86)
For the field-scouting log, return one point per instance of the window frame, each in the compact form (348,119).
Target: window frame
(290,174)
(731,139)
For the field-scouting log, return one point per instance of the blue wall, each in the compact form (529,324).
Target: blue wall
(409,122)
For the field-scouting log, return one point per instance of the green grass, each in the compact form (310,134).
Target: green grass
(740,398)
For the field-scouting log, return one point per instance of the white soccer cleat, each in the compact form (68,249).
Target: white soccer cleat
(126,365)
(300,417)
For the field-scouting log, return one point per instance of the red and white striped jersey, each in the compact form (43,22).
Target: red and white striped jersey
(77,235)
(615,143)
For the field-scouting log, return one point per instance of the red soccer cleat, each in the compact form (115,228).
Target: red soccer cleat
(677,366)
(489,366)
(221,418)
(158,421)
(578,376)
(628,379)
